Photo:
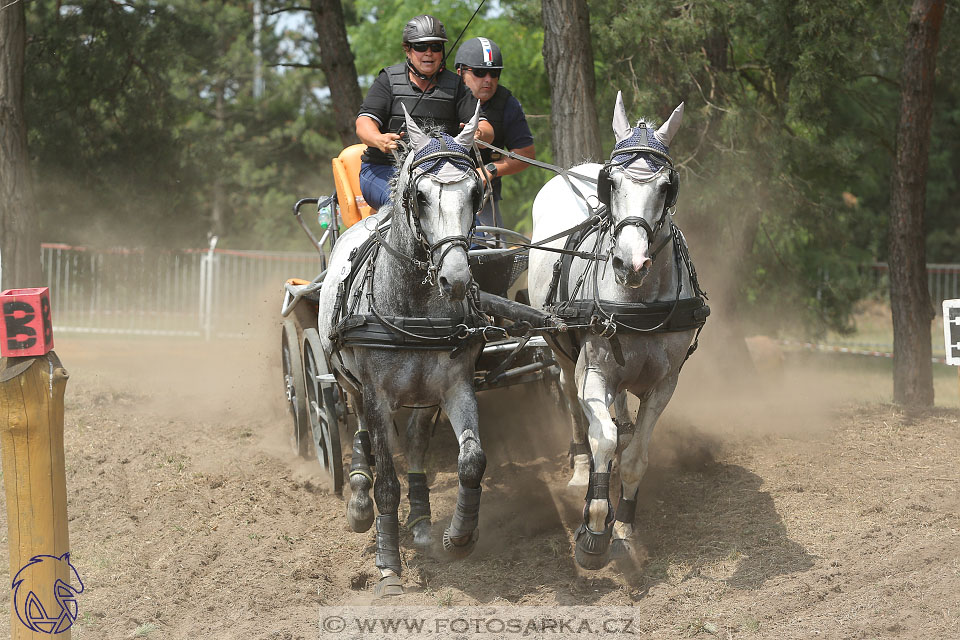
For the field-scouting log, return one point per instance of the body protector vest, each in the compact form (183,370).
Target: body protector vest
(438,106)
(493,111)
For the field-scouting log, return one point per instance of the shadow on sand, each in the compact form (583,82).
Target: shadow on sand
(696,517)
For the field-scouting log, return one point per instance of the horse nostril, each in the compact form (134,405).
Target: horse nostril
(617,263)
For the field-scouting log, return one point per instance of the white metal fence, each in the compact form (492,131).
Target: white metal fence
(943,281)
(215,292)
(198,292)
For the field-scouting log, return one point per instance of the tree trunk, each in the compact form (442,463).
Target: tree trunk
(568,56)
(219,199)
(909,297)
(336,59)
(19,237)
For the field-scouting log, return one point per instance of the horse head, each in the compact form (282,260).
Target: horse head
(440,193)
(639,186)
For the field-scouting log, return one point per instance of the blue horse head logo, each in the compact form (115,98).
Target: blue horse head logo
(42,607)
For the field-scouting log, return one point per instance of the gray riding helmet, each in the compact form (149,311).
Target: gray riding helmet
(479,53)
(424,28)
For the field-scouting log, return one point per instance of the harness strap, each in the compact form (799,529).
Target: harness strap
(536,163)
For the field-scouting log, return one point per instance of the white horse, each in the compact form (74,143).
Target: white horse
(413,290)
(643,278)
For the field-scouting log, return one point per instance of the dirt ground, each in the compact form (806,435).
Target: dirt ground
(795,506)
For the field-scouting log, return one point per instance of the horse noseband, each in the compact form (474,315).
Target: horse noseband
(636,221)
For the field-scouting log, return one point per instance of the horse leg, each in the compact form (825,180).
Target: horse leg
(593,535)
(579,452)
(418,493)
(633,465)
(460,537)
(360,507)
(386,492)
(623,420)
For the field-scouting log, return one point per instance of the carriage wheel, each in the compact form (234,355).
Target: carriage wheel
(295,389)
(321,399)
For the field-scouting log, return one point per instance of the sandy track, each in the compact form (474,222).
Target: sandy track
(802,514)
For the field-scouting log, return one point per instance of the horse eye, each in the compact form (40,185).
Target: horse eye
(421,198)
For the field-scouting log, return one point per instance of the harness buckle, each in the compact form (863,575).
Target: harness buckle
(603,327)
(504,334)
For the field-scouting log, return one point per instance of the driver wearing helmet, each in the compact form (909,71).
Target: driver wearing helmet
(431,94)
(479,62)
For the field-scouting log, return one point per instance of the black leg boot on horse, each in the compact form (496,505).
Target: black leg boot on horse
(621,548)
(419,430)
(592,547)
(460,538)
(388,557)
(360,506)
(418,522)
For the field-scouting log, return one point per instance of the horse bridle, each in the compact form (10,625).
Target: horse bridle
(605,185)
(412,207)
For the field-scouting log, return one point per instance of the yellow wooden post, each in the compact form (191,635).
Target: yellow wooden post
(34,477)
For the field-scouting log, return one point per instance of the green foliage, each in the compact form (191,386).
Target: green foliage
(787,137)
(140,114)
(375,39)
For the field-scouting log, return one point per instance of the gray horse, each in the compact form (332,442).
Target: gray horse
(635,343)
(395,318)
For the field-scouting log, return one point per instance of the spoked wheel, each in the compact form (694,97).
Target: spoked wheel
(295,389)
(321,400)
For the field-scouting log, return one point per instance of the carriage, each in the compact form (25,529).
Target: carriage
(626,326)
(321,412)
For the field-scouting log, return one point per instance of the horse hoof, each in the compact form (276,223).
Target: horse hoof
(422,537)
(360,513)
(459,550)
(592,549)
(388,587)
(581,471)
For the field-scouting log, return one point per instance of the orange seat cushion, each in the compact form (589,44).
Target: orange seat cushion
(346,177)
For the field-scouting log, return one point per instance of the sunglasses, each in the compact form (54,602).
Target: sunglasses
(420,47)
(482,73)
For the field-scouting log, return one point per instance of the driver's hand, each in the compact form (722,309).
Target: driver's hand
(387,142)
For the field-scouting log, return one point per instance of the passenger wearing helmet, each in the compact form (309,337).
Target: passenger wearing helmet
(431,94)
(479,62)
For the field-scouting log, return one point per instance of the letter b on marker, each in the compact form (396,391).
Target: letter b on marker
(26,329)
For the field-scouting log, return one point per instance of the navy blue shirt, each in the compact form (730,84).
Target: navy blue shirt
(517,133)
